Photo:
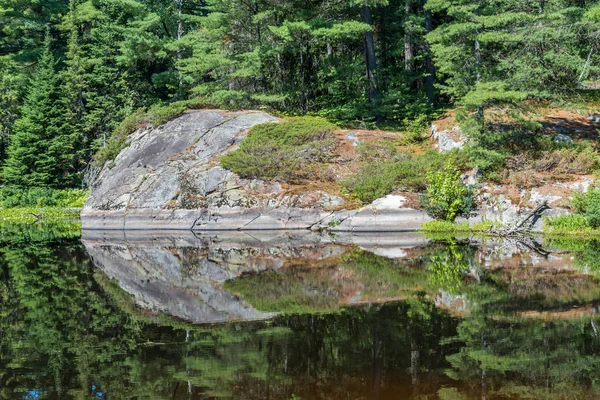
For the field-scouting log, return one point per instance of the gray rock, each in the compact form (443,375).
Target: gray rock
(169,178)
(352,138)
(562,138)
(594,117)
(447,139)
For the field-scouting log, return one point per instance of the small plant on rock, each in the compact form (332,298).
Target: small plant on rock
(588,205)
(447,197)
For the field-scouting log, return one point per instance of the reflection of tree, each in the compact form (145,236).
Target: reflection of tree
(557,359)
(53,314)
(449,262)
(66,329)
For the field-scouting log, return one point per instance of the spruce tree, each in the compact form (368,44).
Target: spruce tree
(41,149)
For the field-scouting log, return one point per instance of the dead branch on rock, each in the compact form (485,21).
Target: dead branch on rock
(523,225)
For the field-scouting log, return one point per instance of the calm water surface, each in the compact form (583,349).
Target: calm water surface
(159,315)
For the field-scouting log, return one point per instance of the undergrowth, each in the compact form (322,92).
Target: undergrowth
(35,215)
(384,169)
(438,226)
(520,152)
(15,196)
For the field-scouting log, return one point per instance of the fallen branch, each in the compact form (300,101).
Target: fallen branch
(520,228)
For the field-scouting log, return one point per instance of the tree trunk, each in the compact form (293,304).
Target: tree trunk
(429,65)
(371,61)
(178,4)
(478,67)
(409,52)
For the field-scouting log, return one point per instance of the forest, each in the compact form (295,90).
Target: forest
(72,70)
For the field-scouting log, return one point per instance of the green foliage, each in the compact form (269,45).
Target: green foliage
(285,151)
(447,197)
(566,224)
(478,49)
(15,196)
(587,207)
(444,226)
(42,147)
(585,221)
(32,215)
(384,170)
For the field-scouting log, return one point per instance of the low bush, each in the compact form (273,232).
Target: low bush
(384,172)
(15,196)
(447,197)
(588,205)
(585,220)
(282,151)
(565,223)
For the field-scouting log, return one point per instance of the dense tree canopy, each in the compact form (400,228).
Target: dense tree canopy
(358,62)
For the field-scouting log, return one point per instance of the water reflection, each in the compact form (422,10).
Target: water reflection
(309,317)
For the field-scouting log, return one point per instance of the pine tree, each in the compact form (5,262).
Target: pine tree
(41,149)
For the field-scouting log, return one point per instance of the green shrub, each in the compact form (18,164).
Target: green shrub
(588,205)
(282,151)
(379,176)
(447,197)
(15,196)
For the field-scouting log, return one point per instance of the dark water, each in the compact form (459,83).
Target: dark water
(152,315)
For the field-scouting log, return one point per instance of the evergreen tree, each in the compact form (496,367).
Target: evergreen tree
(499,51)
(41,148)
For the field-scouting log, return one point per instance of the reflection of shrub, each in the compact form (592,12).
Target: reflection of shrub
(448,266)
(447,197)
(283,150)
(287,291)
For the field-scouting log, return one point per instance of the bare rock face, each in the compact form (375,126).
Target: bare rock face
(169,178)
(447,139)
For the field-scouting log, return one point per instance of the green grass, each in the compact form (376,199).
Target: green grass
(32,215)
(453,227)
(571,224)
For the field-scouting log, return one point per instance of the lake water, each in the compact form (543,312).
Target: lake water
(259,315)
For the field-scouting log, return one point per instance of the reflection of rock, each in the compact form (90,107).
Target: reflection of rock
(183,274)
(180,274)
(444,299)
